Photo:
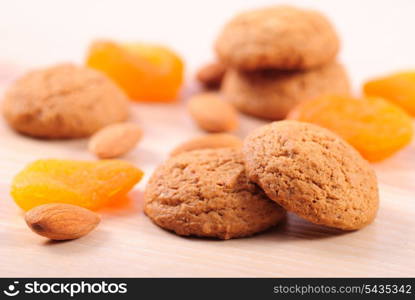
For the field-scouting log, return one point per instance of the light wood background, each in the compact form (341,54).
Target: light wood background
(35,33)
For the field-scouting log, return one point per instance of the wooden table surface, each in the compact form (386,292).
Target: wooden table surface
(127,243)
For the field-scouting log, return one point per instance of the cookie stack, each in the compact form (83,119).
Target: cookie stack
(238,191)
(277,57)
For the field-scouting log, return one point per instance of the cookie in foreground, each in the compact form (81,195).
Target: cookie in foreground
(271,94)
(64,101)
(279,37)
(313,173)
(206,193)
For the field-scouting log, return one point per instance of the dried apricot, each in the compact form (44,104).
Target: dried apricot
(145,72)
(92,185)
(398,88)
(374,126)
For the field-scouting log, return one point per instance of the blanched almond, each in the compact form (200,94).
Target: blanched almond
(61,221)
(213,114)
(115,140)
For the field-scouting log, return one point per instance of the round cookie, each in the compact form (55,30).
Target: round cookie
(271,94)
(206,193)
(211,75)
(280,37)
(314,173)
(64,101)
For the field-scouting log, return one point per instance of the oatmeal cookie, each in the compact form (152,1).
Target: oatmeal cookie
(63,101)
(206,193)
(312,172)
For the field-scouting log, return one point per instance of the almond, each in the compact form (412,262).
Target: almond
(115,140)
(61,221)
(208,141)
(213,114)
(211,75)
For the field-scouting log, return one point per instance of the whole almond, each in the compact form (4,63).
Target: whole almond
(115,140)
(58,221)
(213,114)
(211,75)
(208,141)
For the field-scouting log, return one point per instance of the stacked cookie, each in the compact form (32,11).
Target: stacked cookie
(238,191)
(277,57)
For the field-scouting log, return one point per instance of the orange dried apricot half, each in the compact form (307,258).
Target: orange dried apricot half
(145,72)
(374,126)
(92,185)
(398,88)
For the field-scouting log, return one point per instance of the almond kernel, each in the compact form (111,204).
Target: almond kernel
(115,140)
(58,221)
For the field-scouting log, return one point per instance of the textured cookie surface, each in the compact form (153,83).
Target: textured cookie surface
(312,172)
(64,101)
(271,94)
(206,193)
(280,37)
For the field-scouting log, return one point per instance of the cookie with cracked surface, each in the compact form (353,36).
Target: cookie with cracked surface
(64,101)
(208,141)
(271,94)
(279,37)
(206,193)
(314,173)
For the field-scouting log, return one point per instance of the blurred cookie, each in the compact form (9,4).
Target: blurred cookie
(64,101)
(206,193)
(208,141)
(314,173)
(271,94)
(280,37)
